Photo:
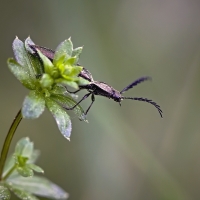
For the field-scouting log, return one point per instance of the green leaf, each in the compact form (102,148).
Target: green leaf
(22,58)
(58,89)
(65,82)
(24,147)
(46,81)
(25,171)
(60,59)
(40,186)
(35,61)
(76,53)
(62,118)
(4,193)
(24,195)
(83,81)
(66,101)
(20,72)
(10,162)
(36,168)
(20,161)
(33,105)
(65,48)
(73,96)
(71,71)
(28,42)
(28,150)
(19,51)
(34,156)
(70,61)
(48,65)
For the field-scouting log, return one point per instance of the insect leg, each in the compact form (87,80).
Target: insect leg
(74,91)
(93,99)
(85,97)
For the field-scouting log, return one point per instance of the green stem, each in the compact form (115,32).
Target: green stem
(8,140)
(9,173)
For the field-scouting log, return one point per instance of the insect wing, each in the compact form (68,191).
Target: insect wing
(102,88)
(45,51)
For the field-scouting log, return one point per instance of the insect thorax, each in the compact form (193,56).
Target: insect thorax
(86,74)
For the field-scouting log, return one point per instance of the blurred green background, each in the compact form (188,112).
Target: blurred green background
(126,152)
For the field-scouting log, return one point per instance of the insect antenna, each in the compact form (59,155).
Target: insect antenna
(136,82)
(146,100)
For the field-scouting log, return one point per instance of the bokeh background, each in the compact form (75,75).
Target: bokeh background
(126,152)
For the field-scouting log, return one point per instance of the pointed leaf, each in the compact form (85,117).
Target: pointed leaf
(83,81)
(20,72)
(10,162)
(62,118)
(34,156)
(27,43)
(33,58)
(36,168)
(66,101)
(22,144)
(22,58)
(40,186)
(58,89)
(48,65)
(70,61)
(4,192)
(24,195)
(60,59)
(46,81)
(19,51)
(28,150)
(74,96)
(33,105)
(25,171)
(71,71)
(70,83)
(76,53)
(65,48)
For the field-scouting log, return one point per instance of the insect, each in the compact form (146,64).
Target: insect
(103,89)
(98,87)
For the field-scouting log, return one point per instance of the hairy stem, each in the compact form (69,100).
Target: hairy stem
(7,142)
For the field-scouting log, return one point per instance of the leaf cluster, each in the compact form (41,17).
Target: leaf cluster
(19,178)
(47,81)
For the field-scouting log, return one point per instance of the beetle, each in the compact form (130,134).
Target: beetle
(98,87)
(103,89)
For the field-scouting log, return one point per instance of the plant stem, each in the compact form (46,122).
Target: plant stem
(9,173)
(7,142)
